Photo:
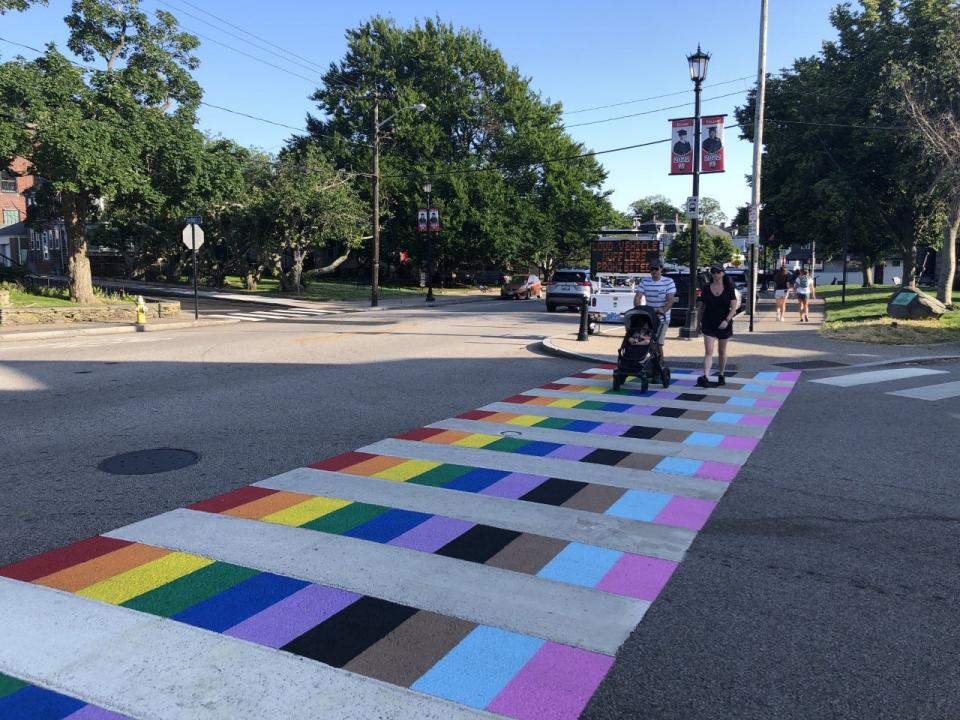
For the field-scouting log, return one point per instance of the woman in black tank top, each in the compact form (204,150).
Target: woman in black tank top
(781,290)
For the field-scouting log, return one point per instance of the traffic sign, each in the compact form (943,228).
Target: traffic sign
(193,219)
(693,207)
(193,234)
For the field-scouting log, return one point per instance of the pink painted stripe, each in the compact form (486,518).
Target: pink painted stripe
(788,376)
(755,420)
(294,615)
(92,712)
(732,442)
(555,684)
(725,472)
(780,389)
(691,513)
(638,576)
(768,403)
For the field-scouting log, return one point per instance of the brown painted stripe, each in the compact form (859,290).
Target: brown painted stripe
(414,647)
(701,414)
(527,554)
(85,574)
(640,461)
(595,498)
(676,436)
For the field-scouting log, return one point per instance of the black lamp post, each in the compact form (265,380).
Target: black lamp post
(698,73)
(427,187)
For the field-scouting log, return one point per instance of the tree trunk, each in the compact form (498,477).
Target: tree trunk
(947,257)
(867,272)
(909,264)
(80,279)
(250,281)
(331,267)
(296,272)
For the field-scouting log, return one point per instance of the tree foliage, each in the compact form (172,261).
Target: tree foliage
(712,249)
(653,207)
(18,5)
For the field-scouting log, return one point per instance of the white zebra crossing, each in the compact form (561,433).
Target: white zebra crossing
(878,376)
(930,392)
(274,314)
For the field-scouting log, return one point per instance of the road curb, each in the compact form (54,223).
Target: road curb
(116,330)
(549,347)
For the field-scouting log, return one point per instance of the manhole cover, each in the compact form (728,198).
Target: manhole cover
(147,462)
(811,364)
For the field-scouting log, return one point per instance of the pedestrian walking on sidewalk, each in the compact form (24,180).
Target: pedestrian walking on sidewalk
(805,293)
(781,291)
(719,302)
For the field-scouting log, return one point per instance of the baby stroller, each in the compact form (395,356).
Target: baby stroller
(640,353)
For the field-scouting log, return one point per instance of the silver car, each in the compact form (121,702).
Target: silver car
(569,287)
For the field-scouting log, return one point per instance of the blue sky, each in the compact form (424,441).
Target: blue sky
(581,54)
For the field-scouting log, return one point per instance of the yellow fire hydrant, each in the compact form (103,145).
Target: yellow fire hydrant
(141,311)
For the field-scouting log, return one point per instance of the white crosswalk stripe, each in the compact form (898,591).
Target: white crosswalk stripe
(930,392)
(274,314)
(877,376)
(238,316)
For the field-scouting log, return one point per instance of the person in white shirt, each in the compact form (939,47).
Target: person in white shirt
(658,292)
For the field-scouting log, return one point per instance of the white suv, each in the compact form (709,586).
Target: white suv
(569,287)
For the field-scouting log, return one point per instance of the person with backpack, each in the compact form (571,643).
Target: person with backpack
(805,292)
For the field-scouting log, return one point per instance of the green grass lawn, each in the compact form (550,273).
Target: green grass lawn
(864,318)
(18,298)
(330,290)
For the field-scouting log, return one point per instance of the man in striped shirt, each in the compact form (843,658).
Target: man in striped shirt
(659,292)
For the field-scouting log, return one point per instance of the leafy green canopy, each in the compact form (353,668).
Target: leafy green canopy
(712,249)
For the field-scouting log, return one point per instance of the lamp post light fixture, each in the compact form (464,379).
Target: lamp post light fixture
(427,187)
(698,62)
(377,124)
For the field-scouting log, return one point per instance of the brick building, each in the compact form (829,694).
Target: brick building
(40,252)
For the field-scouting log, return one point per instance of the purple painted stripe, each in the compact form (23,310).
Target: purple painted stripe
(780,389)
(665,395)
(691,513)
(294,615)
(755,420)
(611,429)
(725,472)
(570,452)
(432,534)
(638,576)
(642,410)
(768,403)
(732,442)
(92,712)
(514,485)
(788,376)
(555,684)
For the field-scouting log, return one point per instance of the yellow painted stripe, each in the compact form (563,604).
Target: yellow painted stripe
(592,389)
(476,440)
(565,403)
(304,512)
(526,420)
(145,578)
(406,471)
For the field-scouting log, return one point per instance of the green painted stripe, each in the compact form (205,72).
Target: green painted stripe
(9,685)
(555,423)
(346,518)
(441,475)
(187,591)
(506,445)
(591,405)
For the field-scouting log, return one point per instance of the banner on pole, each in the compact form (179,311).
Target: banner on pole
(681,147)
(433,222)
(711,144)
(422,220)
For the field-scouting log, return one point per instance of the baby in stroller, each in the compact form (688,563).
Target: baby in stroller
(640,353)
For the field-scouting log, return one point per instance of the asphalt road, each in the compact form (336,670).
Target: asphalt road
(825,584)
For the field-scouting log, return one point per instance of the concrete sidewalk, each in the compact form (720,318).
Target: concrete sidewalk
(56,330)
(790,344)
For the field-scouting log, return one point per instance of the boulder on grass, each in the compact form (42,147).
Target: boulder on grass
(909,303)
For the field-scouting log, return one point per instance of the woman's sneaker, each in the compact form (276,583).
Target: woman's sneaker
(703,382)
(721,380)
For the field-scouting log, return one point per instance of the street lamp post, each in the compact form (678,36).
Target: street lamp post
(427,187)
(377,125)
(698,73)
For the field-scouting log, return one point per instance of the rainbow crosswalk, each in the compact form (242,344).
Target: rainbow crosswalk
(487,565)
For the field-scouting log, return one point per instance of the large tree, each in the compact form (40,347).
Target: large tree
(96,135)
(654,207)
(713,248)
(18,5)
(480,142)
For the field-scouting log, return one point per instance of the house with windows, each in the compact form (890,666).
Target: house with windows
(38,251)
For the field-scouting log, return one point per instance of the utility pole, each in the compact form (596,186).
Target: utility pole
(375,272)
(757,157)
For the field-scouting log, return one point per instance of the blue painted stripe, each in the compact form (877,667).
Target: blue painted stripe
(616,407)
(753,387)
(583,426)
(386,527)
(742,402)
(476,480)
(538,448)
(725,417)
(243,600)
(579,564)
(766,376)
(33,703)
(479,667)
(639,505)
(678,466)
(704,439)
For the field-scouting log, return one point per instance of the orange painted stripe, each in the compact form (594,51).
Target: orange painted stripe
(267,505)
(541,401)
(447,437)
(85,574)
(374,465)
(501,417)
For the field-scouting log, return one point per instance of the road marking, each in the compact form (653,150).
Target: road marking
(137,664)
(547,520)
(304,311)
(751,390)
(584,472)
(571,615)
(653,398)
(689,377)
(931,392)
(269,314)
(876,376)
(237,316)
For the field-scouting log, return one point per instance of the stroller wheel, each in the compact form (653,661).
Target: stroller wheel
(644,384)
(665,377)
(617,381)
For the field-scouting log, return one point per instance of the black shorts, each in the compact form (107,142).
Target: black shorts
(716,332)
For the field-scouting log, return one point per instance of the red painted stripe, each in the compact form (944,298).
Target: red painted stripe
(584,375)
(475,415)
(232,499)
(48,563)
(607,366)
(339,462)
(553,386)
(420,434)
(519,399)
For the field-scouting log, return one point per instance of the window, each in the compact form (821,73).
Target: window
(10,216)
(8,183)
(894,263)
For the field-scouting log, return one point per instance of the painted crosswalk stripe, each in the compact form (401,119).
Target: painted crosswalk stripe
(269,314)
(689,377)
(133,663)
(235,316)
(655,399)
(565,523)
(751,390)
(931,392)
(567,614)
(877,376)
(303,311)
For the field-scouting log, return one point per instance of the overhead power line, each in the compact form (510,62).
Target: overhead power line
(652,97)
(651,112)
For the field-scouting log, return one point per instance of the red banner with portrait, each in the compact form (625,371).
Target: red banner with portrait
(681,147)
(711,144)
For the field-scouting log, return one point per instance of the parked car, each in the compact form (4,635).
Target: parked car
(493,277)
(522,287)
(569,287)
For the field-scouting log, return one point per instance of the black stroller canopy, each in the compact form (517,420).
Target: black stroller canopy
(639,317)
